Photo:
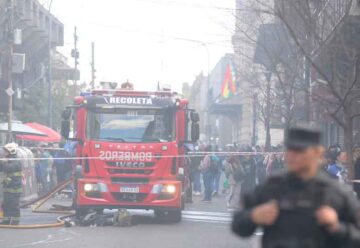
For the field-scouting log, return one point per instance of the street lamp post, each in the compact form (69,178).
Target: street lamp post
(49,71)
(9,64)
(207,118)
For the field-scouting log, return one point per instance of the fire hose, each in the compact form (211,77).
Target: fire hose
(36,205)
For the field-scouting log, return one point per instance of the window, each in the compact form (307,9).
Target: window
(138,126)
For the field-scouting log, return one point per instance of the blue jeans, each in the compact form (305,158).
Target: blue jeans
(195,177)
(208,178)
(217,177)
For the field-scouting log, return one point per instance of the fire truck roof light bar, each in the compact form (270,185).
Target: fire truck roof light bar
(133,93)
(106,106)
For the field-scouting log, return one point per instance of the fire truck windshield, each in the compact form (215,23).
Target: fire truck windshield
(138,126)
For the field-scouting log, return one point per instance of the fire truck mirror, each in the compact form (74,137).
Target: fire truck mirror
(65,129)
(68,124)
(195,131)
(66,114)
(194,116)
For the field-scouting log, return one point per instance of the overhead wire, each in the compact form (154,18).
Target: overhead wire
(186,4)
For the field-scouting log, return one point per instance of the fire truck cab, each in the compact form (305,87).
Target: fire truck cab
(130,147)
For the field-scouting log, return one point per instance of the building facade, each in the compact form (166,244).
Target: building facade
(41,33)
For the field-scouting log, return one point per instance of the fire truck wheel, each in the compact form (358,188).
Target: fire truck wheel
(99,210)
(170,216)
(81,212)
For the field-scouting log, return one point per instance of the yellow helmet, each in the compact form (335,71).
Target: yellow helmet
(11,148)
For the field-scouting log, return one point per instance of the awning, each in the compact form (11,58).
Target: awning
(51,136)
(21,129)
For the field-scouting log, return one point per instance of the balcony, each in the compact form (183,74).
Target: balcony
(36,19)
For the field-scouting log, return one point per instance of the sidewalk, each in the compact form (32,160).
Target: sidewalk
(28,217)
(218,204)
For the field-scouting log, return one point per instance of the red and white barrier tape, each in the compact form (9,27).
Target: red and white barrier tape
(115,157)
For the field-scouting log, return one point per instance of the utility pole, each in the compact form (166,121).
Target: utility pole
(307,79)
(9,63)
(75,55)
(208,96)
(93,70)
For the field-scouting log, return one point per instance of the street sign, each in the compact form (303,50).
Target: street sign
(18,63)
(9,91)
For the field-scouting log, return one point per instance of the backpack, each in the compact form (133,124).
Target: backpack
(214,164)
(238,173)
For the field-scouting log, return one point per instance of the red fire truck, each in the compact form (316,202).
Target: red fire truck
(131,147)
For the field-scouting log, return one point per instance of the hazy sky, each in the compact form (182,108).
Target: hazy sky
(147,40)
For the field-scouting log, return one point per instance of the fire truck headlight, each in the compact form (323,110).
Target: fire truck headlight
(96,187)
(157,188)
(171,189)
(90,187)
(103,188)
(160,188)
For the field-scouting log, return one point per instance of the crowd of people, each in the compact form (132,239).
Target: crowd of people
(231,170)
(235,170)
(52,166)
(335,163)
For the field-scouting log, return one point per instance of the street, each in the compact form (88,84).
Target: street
(203,225)
(114,113)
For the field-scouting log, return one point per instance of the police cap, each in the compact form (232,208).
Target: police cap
(302,137)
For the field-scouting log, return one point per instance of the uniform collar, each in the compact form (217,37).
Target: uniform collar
(297,181)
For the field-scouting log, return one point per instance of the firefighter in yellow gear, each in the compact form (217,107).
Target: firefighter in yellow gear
(12,185)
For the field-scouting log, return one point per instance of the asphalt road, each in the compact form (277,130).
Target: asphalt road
(204,225)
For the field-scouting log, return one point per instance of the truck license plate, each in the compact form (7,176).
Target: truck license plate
(129,190)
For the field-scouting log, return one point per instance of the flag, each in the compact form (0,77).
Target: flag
(228,88)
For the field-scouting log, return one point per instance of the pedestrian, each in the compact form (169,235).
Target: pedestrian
(337,168)
(37,155)
(45,169)
(12,185)
(302,207)
(325,160)
(235,174)
(206,168)
(249,165)
(189,149)
(277,164)
(260,165)
(195,173)
(217,171)
(357,170)
(62,164)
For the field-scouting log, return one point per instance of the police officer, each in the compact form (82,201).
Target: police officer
(302,208)
(12,185)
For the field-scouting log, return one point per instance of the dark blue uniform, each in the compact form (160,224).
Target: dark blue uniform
(296,225)
(12,189)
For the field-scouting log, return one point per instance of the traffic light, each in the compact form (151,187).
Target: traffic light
(75,54)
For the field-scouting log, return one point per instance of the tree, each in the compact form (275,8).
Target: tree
(326,39)
(34,103)
(276,80)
